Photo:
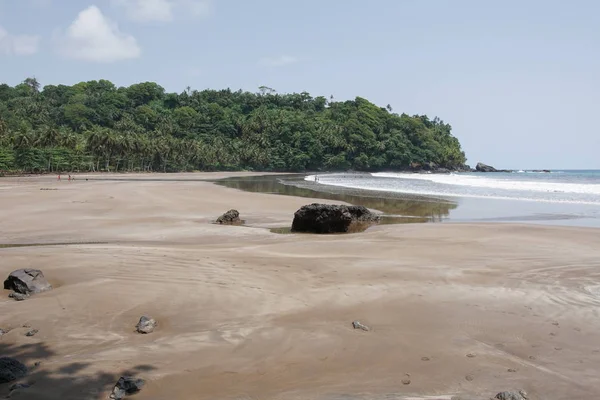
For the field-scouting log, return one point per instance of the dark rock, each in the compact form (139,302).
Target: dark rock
(125,386)
(146,325)
(325,218)
(11,370)
(520,395)
(27,281)
(3,332)
(18,296)
(32,332)
(231,217)
(481,167)
(358,325)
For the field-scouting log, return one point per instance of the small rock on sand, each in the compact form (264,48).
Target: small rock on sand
(512,370)
(358,325)
(125,386)
(32,332)
(425,358)
(471,355)
(27,281)
(469,378)
(231,217)
(512,395)
(146,325)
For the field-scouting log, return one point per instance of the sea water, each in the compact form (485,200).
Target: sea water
(561,197)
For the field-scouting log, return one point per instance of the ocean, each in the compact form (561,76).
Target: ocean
(569,197)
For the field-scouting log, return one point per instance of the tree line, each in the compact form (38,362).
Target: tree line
(96,126)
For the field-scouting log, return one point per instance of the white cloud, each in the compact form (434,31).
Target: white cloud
(163,10)
(20,45)
(280,61)
(93,37)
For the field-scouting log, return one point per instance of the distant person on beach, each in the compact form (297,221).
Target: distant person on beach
(58,179)
(69,177)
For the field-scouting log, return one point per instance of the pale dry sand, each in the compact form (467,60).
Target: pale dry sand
(248,314)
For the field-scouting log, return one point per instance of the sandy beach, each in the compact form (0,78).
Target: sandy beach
(464,310)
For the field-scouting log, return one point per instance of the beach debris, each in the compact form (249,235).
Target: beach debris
(32,332)
(27,281)
(406,379)
(358,325)
(231,217)
(125,386)
(146,325)
(327,218)
(18,296)
(512,395)
(11,369)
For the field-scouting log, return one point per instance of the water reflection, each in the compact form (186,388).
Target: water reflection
(397,208)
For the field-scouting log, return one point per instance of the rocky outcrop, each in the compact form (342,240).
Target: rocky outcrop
(11,369)
(231,217)
(325,218)
(481,167)
(27,281)
(125,386)
(146,325)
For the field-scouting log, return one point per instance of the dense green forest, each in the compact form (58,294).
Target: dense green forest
(96,126)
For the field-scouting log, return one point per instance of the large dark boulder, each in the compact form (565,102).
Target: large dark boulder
(27,281)
(481,167)
(11,370)
(126,386)
(231,217)
(325,218)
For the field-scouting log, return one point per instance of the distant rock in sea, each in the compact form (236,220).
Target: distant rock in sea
(481,167)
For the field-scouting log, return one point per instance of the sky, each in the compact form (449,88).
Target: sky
(519,81)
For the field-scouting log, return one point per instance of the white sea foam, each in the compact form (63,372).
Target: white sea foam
(503,184)
(462,185)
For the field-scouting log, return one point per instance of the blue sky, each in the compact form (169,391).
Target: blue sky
(519,81)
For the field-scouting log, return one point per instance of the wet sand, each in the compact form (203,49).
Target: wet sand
(248,314)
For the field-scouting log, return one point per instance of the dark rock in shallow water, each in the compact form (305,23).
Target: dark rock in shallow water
(325,218)
(27,281)
(520,395)
(11,369)
(231,217)
(481,167)
(126,386)
(146,325)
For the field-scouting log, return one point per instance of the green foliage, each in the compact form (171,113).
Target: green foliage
(94,126)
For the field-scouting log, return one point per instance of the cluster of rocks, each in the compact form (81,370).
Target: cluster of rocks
(26,282)
(327,218)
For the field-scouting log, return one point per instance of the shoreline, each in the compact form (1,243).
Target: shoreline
(465,309)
